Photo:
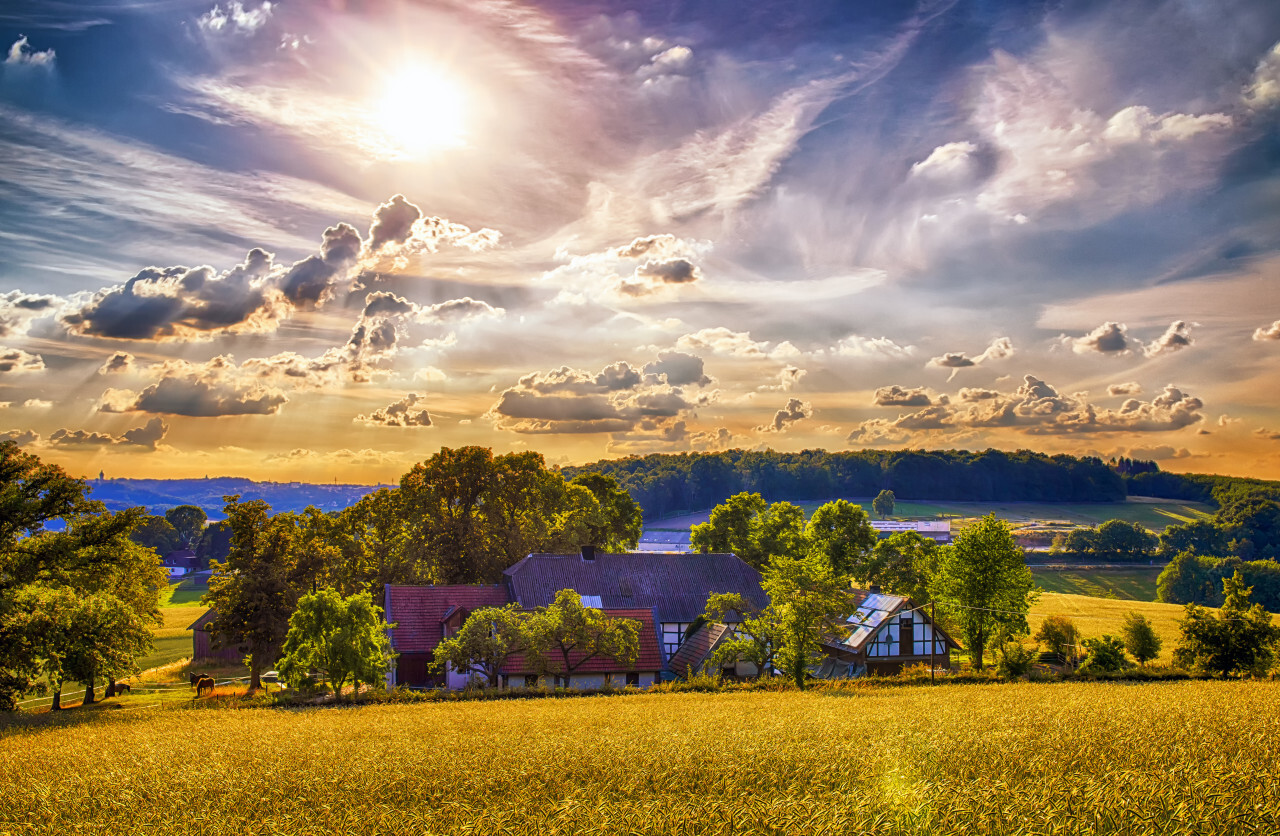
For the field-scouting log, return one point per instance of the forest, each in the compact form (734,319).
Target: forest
(664,483)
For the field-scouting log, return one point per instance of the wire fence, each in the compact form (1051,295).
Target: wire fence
(139,687)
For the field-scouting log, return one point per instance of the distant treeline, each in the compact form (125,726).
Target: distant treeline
(663,483)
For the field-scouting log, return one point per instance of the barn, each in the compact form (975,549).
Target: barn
(202,649)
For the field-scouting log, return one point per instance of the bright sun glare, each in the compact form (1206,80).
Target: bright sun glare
(423,109)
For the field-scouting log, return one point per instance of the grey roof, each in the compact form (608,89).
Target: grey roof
(675,585)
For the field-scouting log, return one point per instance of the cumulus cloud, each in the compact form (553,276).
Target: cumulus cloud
(147,436)
(183,303)
(1175,338)
(857,346)
(645,266)
(1107,338)
(400,229)
(1001,348)
(312,281)
(17,361)
(37,403)
(213,389)
(1263,90)
(20,437)
(677,368)
(18,309)
(898,396)
(795,410)
(721,340)
(1269,434)
(788,377)
(1129,388)
(1037,408)
(409,411)
(1268,332)
(118,363)
(952,161)
(616,400)
(21,54)
(236,18)
(970,395)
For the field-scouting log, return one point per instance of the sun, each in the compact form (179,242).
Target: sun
(423,109)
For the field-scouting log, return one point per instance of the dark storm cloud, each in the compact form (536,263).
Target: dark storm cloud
(203,399)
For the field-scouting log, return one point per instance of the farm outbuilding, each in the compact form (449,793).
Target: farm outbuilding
(202,649)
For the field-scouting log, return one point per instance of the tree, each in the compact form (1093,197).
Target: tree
(883,504)
(188,522)
(342,638)
(1104,655)
(623,520)
(106,637)
(1239,640)
(984,584)
(1125,540)
(841,534)
(809,602)
(756,634)
(903,563)
(1140,638)
(565,635)
(732,528)
(254,592)
(489,637)
(155,532)
(1059,635)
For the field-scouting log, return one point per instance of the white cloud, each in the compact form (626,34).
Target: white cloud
(235,18)
(22,54)
(1263,89)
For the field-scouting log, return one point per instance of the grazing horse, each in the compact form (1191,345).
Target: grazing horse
(123,688)
(203,683)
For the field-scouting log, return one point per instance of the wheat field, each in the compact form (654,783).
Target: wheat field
(1169,758)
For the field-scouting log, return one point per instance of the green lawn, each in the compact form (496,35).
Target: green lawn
(1136,584)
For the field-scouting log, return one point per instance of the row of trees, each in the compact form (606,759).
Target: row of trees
(462,516)
(76,604)
(663,483)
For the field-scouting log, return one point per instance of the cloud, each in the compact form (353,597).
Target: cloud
(1271,332)
(1129,388)
(18,309)
(20,437)
(1000,349)
(1263,90)
(37,403)
(1175,338)
(612,276)
(653,275)
(1107,338)
(970,395)
(856,346)
(119,363)
(1036,408)
(898,396)
(788,377)
(21,54)
(1225,420)
(400,229)
(311,282)
(236,18)
(146,436)
(405,412)
(184,303)
(1268,434)
(952,161)
(721,340)
(17,361)
(678,369)
(795,410)
(207,390)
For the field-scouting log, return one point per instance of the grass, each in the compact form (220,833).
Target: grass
(1096,616)
(1104,758)
(1130,584)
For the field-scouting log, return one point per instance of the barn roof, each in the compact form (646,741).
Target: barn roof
(877,608)
(695,650)
(649,658)
(418,610)
(676,586)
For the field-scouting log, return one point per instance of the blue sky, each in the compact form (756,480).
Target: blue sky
(321,240)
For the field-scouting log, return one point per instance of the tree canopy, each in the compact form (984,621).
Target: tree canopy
(756,531)
(1239,639)
(343,639)
(564,635)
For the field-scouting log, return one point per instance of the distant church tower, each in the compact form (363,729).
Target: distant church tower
(101,475)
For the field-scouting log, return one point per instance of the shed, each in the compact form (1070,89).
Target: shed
(202,648)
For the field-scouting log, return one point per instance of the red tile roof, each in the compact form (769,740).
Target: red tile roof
(649,658)
(418,610)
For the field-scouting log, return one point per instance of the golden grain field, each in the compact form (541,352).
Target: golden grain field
(1170,758)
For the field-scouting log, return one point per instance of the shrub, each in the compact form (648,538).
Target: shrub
(1105,655)
(1016,660)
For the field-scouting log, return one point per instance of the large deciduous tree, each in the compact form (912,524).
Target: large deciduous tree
(811,602)
(188,521)
(841,534)
(623,521)
(344,639)
(883,504)
(757,532)
(983,584)
(565,635)
(903,563)
(254,592)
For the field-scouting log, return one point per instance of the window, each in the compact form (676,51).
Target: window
(633,679)
(885,642)
(673,635)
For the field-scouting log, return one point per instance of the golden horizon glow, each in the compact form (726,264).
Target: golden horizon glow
(422,109)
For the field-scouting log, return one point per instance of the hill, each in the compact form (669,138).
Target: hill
(158,495)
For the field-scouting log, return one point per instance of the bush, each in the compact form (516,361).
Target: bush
(1105,655)
(1016,660)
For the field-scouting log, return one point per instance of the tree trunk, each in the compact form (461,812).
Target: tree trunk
(88,690)
(56,705)
(111,688)
(255,673)
(978,646)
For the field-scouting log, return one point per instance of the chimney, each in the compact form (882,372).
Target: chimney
(874,589)
(588,552)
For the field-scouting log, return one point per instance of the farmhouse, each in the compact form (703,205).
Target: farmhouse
(666,593)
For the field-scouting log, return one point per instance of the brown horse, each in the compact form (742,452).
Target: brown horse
(123,688)
(203,683)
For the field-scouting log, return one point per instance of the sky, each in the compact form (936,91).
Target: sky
(320,240)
